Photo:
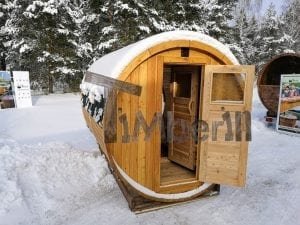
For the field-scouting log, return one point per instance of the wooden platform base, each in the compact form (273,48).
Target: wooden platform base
(139,204)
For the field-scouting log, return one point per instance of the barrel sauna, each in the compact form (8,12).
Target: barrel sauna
(268,81)
(171,113)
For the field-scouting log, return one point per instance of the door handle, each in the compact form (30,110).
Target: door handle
(191,106)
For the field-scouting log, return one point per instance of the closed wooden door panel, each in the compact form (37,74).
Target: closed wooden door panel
(227,98)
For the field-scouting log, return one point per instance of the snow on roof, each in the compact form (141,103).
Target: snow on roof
(114,63)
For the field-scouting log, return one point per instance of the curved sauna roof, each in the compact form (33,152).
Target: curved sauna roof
(113,64)
(269,78)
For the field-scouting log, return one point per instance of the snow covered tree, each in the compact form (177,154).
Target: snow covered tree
(290,25)
(9,11)
(3,18)
(245,37)
(10,31)
(252,41)
(240,36)
(126,21)
(219,15)
(56,40)
(270,38)
(45,43)
(186,15)
(43,37)
(252,7)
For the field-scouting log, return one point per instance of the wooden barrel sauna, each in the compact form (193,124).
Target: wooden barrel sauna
(153,107)
(268,81)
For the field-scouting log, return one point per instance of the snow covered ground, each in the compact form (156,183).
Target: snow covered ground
(51,173)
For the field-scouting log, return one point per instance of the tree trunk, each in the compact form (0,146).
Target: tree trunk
(50,84)
(2,63)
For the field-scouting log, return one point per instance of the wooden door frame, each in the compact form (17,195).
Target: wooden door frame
(183,185)
(173,147)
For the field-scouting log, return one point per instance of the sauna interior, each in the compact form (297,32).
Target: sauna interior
(181,95)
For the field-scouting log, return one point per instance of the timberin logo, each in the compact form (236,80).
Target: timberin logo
(232,126)
(185,131)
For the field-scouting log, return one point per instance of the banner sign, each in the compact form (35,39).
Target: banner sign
(288,116)
(22,89)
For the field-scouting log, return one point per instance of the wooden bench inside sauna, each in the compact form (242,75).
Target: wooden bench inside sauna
(268,81)
(149,122)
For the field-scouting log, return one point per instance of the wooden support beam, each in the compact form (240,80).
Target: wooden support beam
(109,82)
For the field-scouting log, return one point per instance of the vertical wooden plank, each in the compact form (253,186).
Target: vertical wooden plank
(143,70)
(134,107)
(117,147)
(243,162)
(125,147)
(112,148)
(151,108)
(204,116)
(157,144)
(250,71)
(201,102)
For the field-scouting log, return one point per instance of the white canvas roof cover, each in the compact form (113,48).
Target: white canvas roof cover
(112,64)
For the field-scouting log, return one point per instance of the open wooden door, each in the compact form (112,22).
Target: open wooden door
(226,106)
(184,107)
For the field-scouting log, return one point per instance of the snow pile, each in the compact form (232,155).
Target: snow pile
(50,176)
(51,168)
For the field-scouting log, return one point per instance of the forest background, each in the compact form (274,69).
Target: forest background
(57,40)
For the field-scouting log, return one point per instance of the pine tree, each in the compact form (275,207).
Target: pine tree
(45,44)
(245,37)
(269,39)
(9,11)
(290,26)
(124,22)
(252,41)
(252,7)
(3,50)
(130,22)
(218,19)
(194,16)
(12,32)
